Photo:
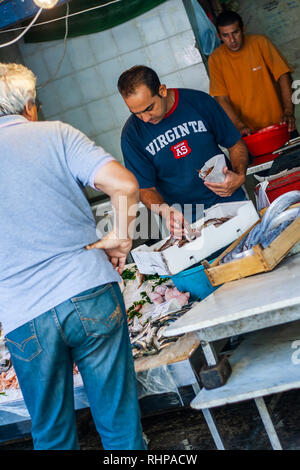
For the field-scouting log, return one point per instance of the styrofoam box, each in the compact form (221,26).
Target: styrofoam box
(174,259)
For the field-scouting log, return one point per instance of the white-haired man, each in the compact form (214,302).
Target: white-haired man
(60,302)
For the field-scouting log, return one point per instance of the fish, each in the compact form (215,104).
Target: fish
(272,234)
(274,221)
(191,234)
(279,205)
(288,215)
(151,339)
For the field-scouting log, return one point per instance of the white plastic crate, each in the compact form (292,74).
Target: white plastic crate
(174,259)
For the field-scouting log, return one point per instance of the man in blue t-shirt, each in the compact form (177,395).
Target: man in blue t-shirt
(169,136)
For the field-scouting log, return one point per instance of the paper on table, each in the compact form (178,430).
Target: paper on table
(171,305)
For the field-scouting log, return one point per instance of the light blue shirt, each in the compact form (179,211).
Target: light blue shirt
(45,218)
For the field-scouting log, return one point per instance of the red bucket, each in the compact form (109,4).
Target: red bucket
(267,140)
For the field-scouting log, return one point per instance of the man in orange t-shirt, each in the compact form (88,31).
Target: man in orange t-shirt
(249,78)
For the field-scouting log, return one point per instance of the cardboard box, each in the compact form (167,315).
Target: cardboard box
(174,259)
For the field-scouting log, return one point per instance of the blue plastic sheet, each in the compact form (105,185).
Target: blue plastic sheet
(207,31)
(13,11)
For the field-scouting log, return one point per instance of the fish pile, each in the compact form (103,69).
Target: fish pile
(146,332)
(192,234)
(8,380)
(151,307)
(4,354)
(277,218)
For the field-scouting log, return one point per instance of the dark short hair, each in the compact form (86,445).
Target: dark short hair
(136,76)
(228,17)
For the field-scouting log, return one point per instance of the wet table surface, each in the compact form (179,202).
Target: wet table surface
(247,304)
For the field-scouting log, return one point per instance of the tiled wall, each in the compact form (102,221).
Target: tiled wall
(84,92)
(280,23)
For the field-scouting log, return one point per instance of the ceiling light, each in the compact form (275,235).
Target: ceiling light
(45,3)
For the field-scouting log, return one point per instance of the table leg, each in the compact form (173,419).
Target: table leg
(213,428)
(209,353)
(210,421)
(217,369)
(266,419)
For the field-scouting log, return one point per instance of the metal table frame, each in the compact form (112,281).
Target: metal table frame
(283,308)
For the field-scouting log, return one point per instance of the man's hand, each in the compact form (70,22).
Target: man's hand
(177,224)
(289,119)
(286,91)
(244,130)
(116,250)
(231,183)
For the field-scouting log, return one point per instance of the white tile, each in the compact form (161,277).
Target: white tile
(103,45)
(138,57)
(52,57)
(195,77)
(80,53)
(110,72)
(119,108)
(68,92)
(35,62)
(101,115)
(150,27)
(43,45)
(28,48)
(184,50)
(111,142)
(127,37)
(78,118)
(173,80)
(174,17)
(161,57)
(91,84)
(50,101)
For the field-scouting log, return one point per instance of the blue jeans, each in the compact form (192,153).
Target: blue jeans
(89,329)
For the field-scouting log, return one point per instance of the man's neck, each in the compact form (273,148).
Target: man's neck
(170,99)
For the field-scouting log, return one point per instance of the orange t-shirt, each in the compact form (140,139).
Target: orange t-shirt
(249,77)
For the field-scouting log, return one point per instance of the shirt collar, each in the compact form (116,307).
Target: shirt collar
(12,118)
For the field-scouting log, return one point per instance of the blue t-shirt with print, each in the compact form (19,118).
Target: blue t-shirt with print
(167,155)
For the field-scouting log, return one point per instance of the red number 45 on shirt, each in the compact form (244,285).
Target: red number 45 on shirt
(181,149)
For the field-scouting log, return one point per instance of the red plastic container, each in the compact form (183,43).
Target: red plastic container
(267,140)
(283,185)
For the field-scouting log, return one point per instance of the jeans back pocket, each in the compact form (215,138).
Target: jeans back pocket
(100,312)
(23,342)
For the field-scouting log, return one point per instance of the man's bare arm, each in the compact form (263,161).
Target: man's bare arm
(122,187)
(226,104)
(285,85)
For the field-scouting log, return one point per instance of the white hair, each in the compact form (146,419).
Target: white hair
(17,87)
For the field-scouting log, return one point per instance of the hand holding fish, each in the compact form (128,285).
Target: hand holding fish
(116,249)
(231,183)
(176,223)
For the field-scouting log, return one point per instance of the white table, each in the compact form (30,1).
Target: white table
(242,306)
(267,362)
